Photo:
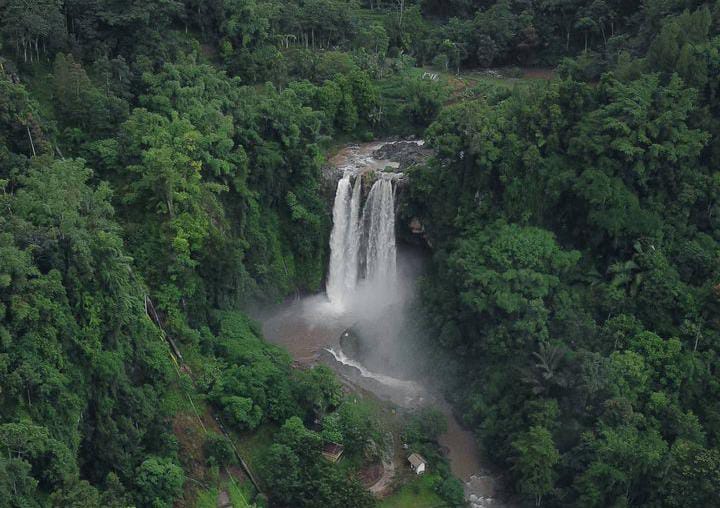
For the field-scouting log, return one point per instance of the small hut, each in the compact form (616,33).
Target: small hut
(417,463)
(333,452)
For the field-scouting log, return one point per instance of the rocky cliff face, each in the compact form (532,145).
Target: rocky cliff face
(405,154)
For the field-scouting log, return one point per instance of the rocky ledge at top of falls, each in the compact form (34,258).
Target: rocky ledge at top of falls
(388,156)
(393,155)
(404,153)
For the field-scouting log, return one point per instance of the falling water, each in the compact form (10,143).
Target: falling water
(338,239)
(379,218)
(352,245)
(374,236)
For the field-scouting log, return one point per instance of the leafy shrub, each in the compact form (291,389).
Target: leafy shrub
(218,450)
(159,482)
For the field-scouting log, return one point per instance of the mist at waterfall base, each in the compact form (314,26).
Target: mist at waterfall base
(371,283)
(382,334)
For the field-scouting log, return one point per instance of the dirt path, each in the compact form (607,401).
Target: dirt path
(380,487)
(223,500)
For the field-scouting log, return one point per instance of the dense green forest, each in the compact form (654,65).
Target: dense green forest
(160,170)
(576,272)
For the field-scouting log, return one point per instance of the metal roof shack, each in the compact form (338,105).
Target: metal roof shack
(333,452)
(417,463)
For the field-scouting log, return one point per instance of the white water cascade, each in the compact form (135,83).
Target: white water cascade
(379,218)
(373,235)
(352,247)
(342,358)
(344,244)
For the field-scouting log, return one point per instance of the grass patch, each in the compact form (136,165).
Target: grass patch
(238,495)
(175,400)
(471,83)
(419,493)
(207,499)
(350,464)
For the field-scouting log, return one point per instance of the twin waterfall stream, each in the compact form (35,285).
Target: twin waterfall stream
(362,246)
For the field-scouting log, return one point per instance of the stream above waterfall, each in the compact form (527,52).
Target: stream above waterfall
(359,326)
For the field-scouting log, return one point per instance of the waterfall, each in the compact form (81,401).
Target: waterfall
(379,218)
(374,236)
(338,237)
(352,246)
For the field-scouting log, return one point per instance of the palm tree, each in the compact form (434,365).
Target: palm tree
(543,373)
(626,274)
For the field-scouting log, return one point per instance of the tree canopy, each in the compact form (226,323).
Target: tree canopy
(161,170)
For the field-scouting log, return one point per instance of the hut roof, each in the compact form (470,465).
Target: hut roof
(416,459)
(333,451)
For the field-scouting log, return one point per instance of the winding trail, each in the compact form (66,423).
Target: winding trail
(380,487)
